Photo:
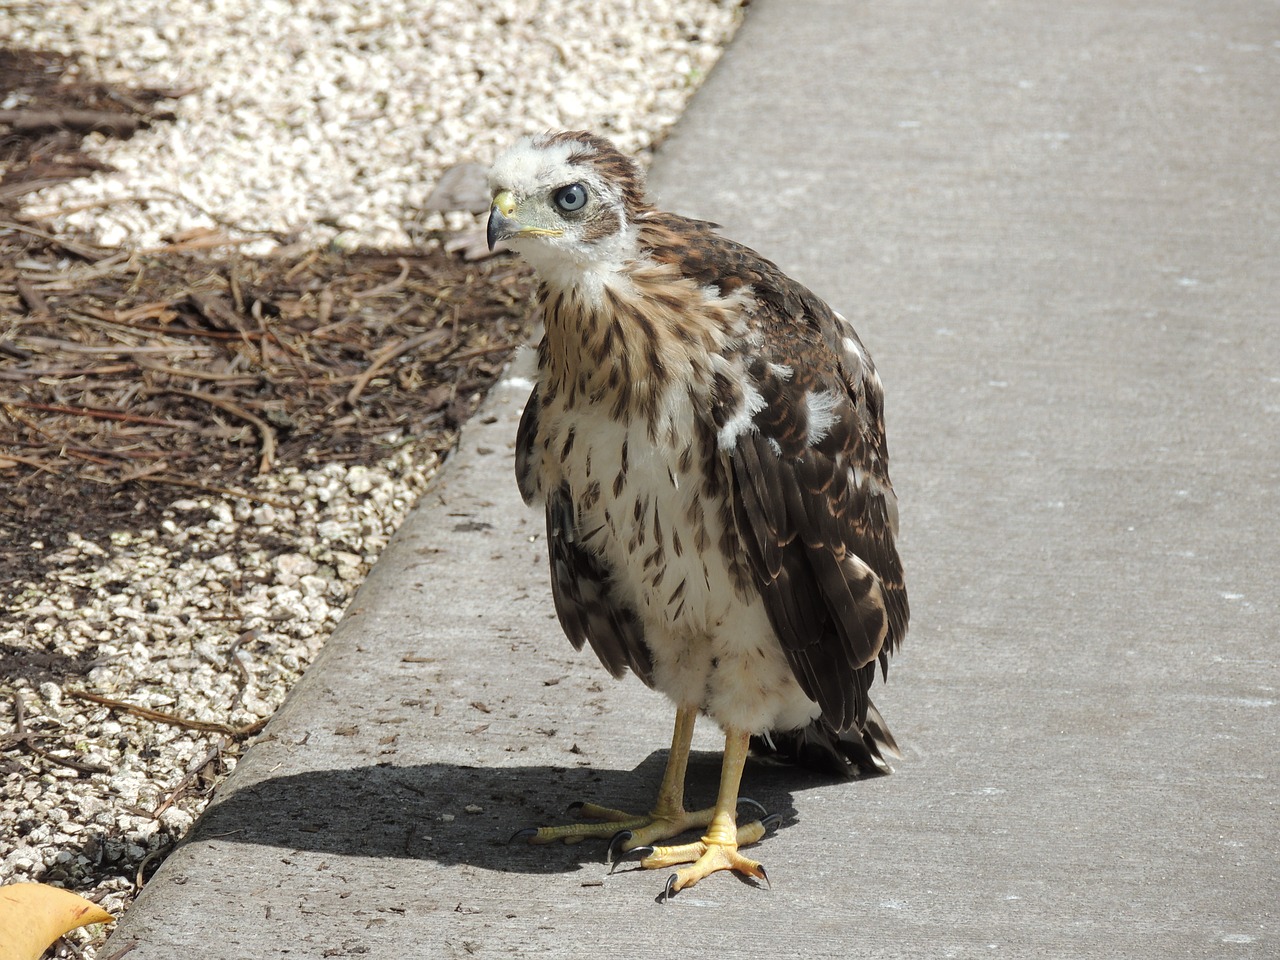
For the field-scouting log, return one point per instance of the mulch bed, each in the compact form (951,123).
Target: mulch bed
(128,377)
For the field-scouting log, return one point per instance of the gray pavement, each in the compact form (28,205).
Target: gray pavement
(1056,226)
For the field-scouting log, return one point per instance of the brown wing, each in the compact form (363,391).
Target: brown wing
(809,483)
(815,524)
(586,602)
(528,456)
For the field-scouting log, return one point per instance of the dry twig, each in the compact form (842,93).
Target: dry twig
(189,777)
(23,737)
(390,353)
(159,716)
(268,435)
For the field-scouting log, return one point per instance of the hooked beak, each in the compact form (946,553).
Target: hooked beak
(503,224)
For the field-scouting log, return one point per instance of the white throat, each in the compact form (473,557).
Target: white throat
(587,268)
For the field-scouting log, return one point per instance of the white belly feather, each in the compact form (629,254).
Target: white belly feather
(710,647)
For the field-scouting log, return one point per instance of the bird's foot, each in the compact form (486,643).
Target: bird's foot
(711,854)
(624,831)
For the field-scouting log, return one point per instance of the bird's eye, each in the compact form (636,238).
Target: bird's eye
(572,198)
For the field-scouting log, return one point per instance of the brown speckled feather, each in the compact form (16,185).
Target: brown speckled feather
(582,589)
(815,513)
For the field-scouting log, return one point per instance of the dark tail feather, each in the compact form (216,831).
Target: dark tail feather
(822,747)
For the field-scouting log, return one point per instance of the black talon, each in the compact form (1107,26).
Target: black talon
(766,878)
(630,856)
(527,833)
(771,822)
(573,809)
(667,891)
(749,802)
(615,843)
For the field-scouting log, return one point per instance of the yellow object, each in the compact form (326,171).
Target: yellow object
(505,203)
(33,915)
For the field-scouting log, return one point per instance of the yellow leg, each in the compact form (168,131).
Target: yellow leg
(718,848)
(671,790)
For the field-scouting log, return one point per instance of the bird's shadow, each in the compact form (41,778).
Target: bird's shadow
(456,814)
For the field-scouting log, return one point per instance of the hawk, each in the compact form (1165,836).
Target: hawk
(707,438)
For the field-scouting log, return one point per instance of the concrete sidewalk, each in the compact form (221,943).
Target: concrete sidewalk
(1056,227)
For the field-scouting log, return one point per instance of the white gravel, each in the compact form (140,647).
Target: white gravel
(328,122)
(210,616)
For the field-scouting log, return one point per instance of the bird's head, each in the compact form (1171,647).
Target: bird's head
(566,200)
